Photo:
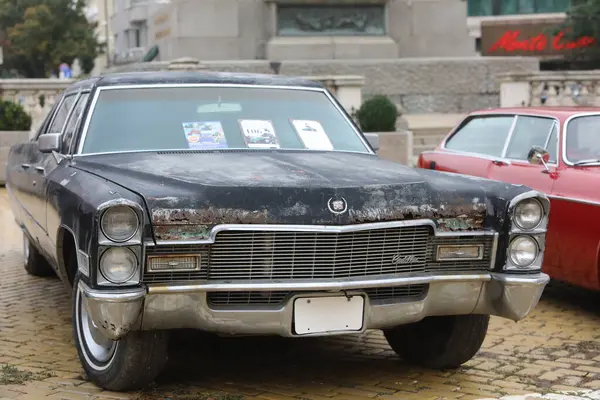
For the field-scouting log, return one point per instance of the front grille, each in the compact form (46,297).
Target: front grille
(285,255)
(277,298)
(317,255)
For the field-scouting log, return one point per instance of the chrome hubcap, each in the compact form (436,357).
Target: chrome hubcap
(99,346)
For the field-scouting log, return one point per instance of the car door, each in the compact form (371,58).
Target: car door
(67,142)
(35,164)
(473,148)
(575,205)
(529,131)
(17,170)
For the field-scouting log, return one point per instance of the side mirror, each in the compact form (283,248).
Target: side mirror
(538,155)
(49,142)
(373,139)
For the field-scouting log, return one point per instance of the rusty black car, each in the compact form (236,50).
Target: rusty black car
(152,225)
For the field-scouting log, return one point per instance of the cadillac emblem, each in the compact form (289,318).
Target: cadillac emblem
(337,206)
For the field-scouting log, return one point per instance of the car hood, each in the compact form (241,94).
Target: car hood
(188,192)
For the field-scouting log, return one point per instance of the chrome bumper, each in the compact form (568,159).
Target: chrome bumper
(117,312)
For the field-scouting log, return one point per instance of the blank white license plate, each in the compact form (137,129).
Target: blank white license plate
(328,314)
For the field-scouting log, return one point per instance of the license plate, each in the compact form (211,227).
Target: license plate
(328,314)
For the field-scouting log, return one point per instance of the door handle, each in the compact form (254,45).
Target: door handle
(499,162)
(26,166)
(40,169)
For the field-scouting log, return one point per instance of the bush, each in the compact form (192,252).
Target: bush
(13,117)
(378,114)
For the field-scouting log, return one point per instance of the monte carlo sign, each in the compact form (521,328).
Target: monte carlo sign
(529,38)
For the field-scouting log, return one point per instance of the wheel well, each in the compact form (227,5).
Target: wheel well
(67,254)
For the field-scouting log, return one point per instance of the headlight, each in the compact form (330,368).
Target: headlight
(119,223)
(118,264)
(528,214)
(523,251)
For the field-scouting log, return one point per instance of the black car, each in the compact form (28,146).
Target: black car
(151,229)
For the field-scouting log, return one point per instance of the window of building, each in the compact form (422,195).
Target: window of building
(331,20)
(479,8)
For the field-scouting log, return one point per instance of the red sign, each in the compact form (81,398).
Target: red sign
(510,42)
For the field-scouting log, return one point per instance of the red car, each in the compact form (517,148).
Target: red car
(555,150)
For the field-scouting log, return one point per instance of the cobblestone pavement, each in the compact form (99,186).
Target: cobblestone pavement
(555,349)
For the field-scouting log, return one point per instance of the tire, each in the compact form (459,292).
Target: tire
(35,264)
(131,363)
(439,342)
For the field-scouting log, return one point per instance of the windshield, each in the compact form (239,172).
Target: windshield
(208,118)
(583,140)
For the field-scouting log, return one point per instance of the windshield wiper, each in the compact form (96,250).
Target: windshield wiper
(589,161)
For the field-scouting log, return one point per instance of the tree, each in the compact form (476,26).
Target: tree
(42,34)
(583,20)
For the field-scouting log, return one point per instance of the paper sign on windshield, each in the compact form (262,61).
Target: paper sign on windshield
(205,135)
(259,133)
(312,134)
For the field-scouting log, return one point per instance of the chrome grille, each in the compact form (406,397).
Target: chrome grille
(241,255)
(277,298)
(317,255)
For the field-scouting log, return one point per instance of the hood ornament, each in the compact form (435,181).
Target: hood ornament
(337,206)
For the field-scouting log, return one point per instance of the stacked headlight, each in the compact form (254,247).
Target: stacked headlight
(119,223)
(120,248)
(528,214)
(527,235)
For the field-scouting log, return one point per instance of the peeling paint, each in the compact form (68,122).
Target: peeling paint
(182,232)
(208,216)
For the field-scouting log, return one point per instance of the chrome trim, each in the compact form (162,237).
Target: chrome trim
(564,136)
(327,285)
(480,251)
(194,85)
(494,251)
(511,297)
(544,201)
(114,312)
(322,228)
(574,200)
(511,131)
(508,161)
(192,151)
(137,218)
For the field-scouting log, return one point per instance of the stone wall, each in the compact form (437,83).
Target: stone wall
(419,85)
(37,96)
(7,139)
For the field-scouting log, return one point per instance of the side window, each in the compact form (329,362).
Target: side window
(482,135)
(61,115)
(552,145)
(529,132)
(67,136)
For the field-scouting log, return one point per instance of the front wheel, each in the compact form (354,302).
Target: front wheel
(439,342)
(131,363)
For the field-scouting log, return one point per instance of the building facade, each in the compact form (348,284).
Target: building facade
(100,11)
(290,29)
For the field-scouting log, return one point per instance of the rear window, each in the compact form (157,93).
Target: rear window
(482,135)
(205,118)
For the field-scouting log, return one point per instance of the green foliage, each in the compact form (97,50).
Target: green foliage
(583,19)
(13,117)
(42,34)
(378,114)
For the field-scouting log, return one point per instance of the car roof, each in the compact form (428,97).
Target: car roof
(201,77)
(555,111)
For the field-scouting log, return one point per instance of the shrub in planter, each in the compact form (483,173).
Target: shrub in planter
(378,114)
(13,117)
